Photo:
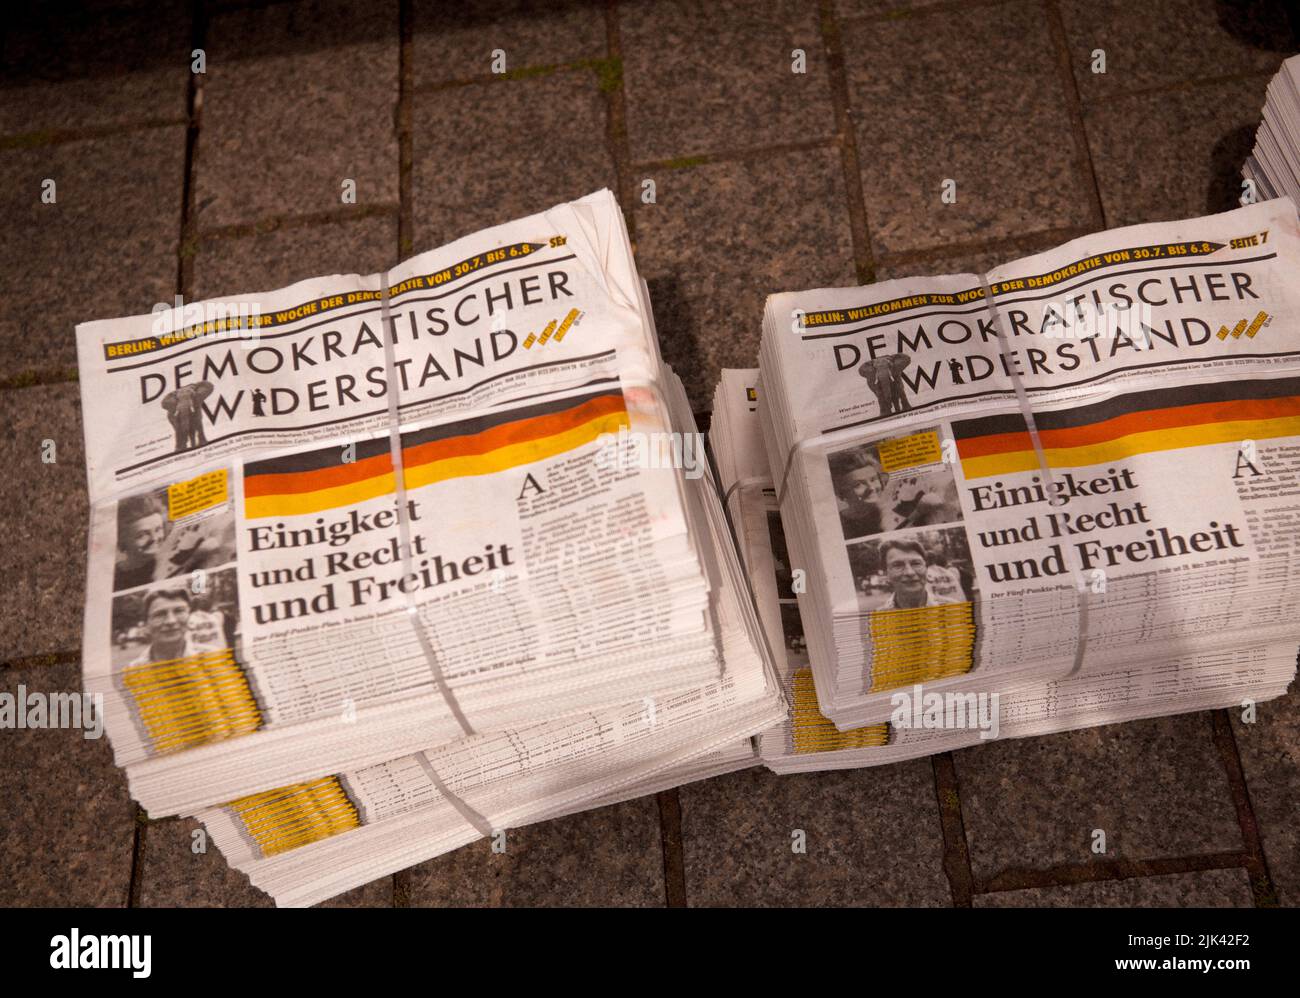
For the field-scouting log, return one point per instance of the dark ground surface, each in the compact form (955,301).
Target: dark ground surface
(766,180)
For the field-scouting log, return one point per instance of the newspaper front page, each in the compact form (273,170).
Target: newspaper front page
(1160,366)
(921,723)
(247,569)
(309,840)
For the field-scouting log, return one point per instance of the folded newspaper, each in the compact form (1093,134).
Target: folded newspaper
(1273,167)
(306,842)
(805,740)
(1083,462)
(383,565)
(347,521)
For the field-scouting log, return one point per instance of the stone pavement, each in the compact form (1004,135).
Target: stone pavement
(765,179)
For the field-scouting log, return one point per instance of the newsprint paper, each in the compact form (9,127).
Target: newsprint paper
(921,721)
(1154,370)
(254,561)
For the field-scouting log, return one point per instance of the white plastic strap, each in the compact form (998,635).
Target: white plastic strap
(744,484)
(1022,400)
(403,514)
(480,823)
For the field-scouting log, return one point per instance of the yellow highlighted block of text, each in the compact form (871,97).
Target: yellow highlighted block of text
(209,489)
(910,452)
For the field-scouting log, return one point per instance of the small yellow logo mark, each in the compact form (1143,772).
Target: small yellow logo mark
(555,330)
(1249,327)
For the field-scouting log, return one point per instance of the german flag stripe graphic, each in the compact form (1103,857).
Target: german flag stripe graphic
(299,484)
(1138,423)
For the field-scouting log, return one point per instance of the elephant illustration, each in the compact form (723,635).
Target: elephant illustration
(882,375)
(185,411)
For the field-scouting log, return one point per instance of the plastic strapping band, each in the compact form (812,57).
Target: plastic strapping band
(1022,399)
(480,823)
(403,515)
(821,438)
(744,483)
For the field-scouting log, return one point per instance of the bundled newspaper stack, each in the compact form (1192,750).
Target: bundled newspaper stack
(924,723)
(399,560)
(1082,467)
(307,842)
(1273,167)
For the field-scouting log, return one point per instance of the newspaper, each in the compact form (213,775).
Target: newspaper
(1273,167)
(259,572)
(919,724)
(1153,371)
(308,841)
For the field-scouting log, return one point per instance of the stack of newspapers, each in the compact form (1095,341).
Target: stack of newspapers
(1273,167)
(1072,482)
(381,565)
(806,741)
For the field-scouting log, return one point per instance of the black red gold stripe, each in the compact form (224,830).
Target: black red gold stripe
(1135,423)
(317,480)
